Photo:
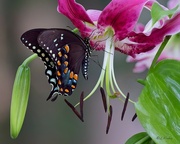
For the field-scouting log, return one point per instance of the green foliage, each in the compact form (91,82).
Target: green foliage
(158,12)
(158,107)
(140,138)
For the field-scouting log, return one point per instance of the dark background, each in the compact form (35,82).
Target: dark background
(54,122)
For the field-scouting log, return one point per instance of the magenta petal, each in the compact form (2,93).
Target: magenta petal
(173,3)
(74,11)
(171,27)
(133,49)
(144,43)
(122,15)
(143,60)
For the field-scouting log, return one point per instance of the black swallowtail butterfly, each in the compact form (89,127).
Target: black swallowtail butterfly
(63,53)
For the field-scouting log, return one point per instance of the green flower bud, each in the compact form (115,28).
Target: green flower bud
(19,101)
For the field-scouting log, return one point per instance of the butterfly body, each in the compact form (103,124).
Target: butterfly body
(63,53)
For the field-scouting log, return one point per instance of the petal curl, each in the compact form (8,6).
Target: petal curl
(75,12)
(122,15)
(172,26)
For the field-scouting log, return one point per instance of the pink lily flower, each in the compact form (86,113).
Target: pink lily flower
(172,49)
(144,60)
(113,29)
(118,18)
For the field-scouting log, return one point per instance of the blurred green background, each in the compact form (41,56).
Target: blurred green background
(53,122)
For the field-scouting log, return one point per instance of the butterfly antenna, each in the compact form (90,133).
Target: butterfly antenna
(69,28)
(92,33)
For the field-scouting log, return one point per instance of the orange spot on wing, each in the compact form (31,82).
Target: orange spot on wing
(76,77)
(71,75)
(66,63)
(66,56)
(65,70)
(61,89)
(59,54)
(66,90)
(58,73)
(59,82)
(73,86)
(67,48)
(58,63)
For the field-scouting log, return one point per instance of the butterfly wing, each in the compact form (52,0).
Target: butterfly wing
(67,50)
(29,39)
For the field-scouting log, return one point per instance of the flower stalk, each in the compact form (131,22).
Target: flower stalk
(159,52)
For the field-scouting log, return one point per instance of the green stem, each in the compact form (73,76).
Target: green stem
(29,59)
(159,53)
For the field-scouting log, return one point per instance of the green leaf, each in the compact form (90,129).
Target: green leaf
(158,107)
(140,138)
(158,12)
(20,95)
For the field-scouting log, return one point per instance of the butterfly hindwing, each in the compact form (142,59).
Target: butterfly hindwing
(67,50)
(63,53)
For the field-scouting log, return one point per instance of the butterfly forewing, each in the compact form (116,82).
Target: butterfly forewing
(29,39)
